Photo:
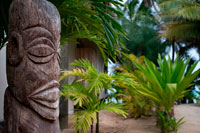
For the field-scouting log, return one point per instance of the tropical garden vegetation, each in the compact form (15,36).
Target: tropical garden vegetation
(85,91)
(151,86)
(138,35)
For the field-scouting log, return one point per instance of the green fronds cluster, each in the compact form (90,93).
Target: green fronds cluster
(169,83)
(142,85)
(85,91)
(181,20)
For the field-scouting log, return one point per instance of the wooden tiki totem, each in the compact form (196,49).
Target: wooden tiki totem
(32,97)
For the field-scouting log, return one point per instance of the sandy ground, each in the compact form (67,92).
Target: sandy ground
(191,114)
(112,123)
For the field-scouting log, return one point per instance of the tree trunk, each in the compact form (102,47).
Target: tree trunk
(173,51)
(92,126)
(97,124)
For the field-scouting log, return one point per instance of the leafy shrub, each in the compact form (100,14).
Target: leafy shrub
(126,88)
(85,91)
(165,84)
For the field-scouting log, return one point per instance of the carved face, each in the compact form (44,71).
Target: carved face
(33,65)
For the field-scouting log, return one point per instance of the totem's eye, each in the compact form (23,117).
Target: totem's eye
(40,52)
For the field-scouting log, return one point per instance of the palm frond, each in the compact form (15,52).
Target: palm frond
(94,81)
(124,80)
(75,72)
(181,8)
(76,92)
(112,107)
(84,119)
(99,82)
(183,31)
(92,20)
(82,63)
(190,13)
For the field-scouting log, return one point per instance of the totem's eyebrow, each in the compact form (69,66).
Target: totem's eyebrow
(38,35)
(37,31)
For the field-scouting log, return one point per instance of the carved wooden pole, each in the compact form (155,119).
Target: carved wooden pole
(32,96)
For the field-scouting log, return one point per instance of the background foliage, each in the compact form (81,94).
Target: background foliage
(142,27)
(94,20)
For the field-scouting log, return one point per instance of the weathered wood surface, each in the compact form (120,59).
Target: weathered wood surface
(87,49)
(32,96)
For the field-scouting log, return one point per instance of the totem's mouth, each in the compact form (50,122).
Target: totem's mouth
(45,100)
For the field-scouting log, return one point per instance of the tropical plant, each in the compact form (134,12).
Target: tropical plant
(190,95)
(135,104)
(142,27)
(167,83)
(126,86)
(85,91)
(180,23)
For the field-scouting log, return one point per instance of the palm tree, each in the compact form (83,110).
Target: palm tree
(142,29)
(166,84)
(181,25)
(181,20)
(85,91)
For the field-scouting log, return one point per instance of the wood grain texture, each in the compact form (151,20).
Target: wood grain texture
(32,96)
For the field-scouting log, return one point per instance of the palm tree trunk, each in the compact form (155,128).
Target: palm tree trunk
(97,124)
(157,116)
(78,129)
(172,112)
(92,127)
(173,51)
